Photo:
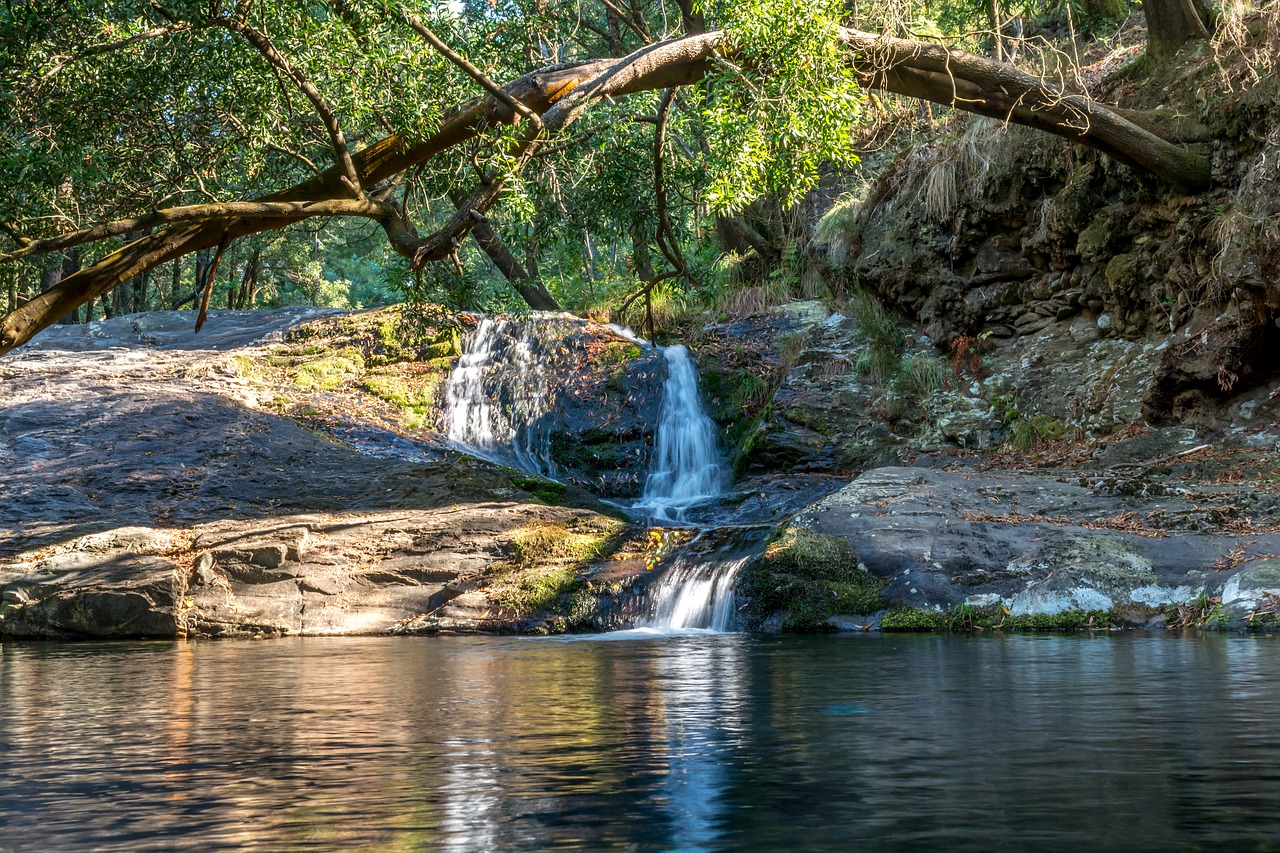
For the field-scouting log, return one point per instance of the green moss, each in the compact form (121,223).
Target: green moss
(809,577)
(755,441)
(1122,271)
(246,367)
(964,617)
(814,419)
(415,401)
(540,590)
(733,393)
(447,344)
(328,372)
(578,541)
(548,564)
(545,491)
(1026,433)
(910,619)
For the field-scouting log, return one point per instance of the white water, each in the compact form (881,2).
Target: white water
(698,596)
(697,592)
(686,467)
(497,396)
(496,404)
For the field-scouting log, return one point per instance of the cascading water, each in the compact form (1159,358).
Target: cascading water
(686,467)
(498,400)
(498,395)
(698,590)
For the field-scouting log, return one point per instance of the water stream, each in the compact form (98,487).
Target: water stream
(497,396)
(686,468)
(697,591)
(497,401)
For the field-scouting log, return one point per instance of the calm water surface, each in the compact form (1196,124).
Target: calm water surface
(674,743)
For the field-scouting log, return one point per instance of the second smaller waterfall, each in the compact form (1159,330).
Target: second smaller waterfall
(498,395)
(698,590)
(686,467)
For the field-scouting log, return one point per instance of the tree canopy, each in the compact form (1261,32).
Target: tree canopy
(136,132)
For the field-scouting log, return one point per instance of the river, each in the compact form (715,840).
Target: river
(691,743)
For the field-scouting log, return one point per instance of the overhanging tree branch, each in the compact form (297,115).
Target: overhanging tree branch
(559,94)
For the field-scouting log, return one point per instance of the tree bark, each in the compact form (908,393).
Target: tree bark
(1173,23)
(531,290)
(559,94)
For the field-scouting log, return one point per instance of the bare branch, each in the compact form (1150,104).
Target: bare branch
(626,19)
(209,277)
(349,175)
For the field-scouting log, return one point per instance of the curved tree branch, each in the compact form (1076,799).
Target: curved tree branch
(559,94)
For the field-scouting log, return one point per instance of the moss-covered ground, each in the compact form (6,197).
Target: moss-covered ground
(550,571)
(809,577)
(383,364)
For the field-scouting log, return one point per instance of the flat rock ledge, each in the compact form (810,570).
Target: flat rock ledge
(405,571)
(1032,545)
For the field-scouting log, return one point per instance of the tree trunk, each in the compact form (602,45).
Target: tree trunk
(531,290)
(242,297)
(175,283)
(59,267)
(693,20)
(1173,23)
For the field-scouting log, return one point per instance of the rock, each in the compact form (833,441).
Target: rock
(123,596)
(938,539)
(160,505)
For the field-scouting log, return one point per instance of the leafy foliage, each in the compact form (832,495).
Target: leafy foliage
(787,106)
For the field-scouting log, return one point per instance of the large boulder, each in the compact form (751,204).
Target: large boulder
(1033,545)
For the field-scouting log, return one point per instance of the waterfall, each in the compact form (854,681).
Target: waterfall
(698,590)
(498,395)
(686,468)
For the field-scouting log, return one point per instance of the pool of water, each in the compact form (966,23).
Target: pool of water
(648,742)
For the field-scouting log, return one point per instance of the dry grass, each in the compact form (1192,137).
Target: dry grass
(842,222)
(941,198)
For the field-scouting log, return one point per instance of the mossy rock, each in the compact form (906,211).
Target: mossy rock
(549,565)
(809,577)
(964,617)
(328,372)
(548,492)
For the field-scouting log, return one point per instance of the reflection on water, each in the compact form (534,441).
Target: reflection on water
(678,742)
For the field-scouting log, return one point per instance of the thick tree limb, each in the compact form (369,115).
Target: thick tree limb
(532,291)
(559,94)
(292,210)
(995,89)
